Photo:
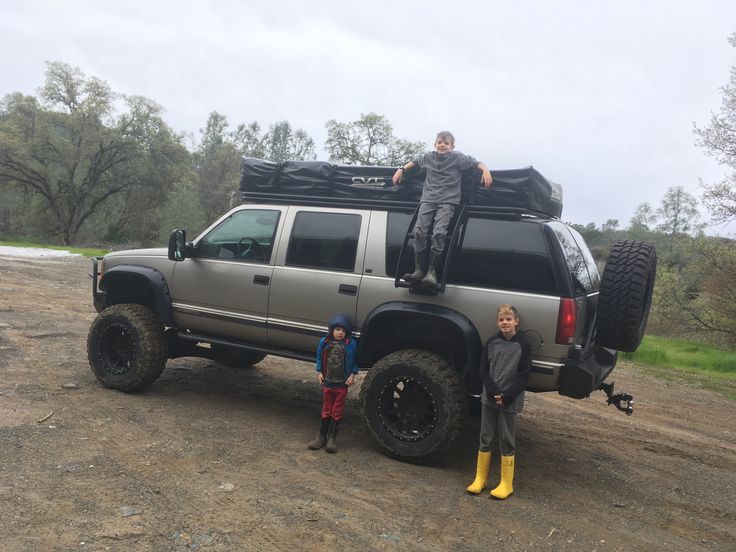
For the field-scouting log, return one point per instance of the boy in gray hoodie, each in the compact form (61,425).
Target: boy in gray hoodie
(506,363)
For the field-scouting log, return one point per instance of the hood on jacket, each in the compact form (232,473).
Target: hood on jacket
(341,321)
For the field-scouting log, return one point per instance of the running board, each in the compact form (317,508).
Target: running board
(287,353)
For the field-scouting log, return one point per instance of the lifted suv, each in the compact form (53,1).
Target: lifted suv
(267,276)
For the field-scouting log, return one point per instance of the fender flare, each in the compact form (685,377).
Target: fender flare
(154,279)
(468,332)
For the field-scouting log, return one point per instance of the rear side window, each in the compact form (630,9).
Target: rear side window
(499,254)
(324,240)
(503,254)
(585,278)
(398,226)
(595,276)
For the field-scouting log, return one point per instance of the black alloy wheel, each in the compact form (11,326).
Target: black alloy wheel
(413,403)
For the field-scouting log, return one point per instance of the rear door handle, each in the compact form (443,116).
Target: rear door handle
(261,280)
(347,289)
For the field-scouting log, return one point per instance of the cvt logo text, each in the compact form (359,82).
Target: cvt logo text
(369,180)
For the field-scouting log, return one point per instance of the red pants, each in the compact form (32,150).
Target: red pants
(333,402)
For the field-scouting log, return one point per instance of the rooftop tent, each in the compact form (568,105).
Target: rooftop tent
(522,188)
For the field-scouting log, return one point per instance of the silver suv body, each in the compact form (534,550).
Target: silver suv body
(265,278)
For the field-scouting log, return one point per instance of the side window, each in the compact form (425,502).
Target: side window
(595,276)
(574,259)
(398,226)
(244,236)
(324,240)
(503,254)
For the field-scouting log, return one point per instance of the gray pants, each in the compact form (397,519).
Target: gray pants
(440,214)
(497,425)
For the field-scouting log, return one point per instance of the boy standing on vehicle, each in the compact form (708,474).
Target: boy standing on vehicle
(506,363)
(336,370)
(440,196)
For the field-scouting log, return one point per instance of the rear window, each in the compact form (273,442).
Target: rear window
(499,254)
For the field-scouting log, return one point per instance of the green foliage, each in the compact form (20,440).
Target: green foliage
(689,356)
(694,296)
(217,158)
(705,365)
(282,143)
(719,141)
(183,210)
(217,161)
(369,141)
(678,213)
(76,156)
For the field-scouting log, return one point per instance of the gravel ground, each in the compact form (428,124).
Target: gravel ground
(212,458)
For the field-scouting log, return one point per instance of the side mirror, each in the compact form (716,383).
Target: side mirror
(178,245)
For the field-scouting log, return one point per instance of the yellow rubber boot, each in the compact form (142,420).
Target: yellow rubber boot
(506,487)
(481,473)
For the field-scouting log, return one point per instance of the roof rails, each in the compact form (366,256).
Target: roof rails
(280,198)
(514,192)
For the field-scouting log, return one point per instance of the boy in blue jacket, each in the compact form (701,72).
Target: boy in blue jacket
(336,370)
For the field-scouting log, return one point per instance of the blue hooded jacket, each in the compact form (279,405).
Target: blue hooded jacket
(349,342)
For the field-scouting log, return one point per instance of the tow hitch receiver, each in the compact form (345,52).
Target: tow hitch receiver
(618,398)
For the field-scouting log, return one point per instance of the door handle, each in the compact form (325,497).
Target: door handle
(261,280)
(347,289)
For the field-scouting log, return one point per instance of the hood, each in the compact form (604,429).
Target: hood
(150,252)
(342,321)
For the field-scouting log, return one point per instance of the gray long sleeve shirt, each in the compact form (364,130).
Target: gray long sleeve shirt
(504,370)
(442,184)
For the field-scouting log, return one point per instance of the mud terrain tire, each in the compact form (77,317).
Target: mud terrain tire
(413,404)
(626,295)
(126,347)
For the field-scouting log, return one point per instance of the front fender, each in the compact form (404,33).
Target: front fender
(134,284)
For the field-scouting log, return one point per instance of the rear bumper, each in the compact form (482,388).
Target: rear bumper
(581,376)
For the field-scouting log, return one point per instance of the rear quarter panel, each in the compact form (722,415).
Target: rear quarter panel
(538,312)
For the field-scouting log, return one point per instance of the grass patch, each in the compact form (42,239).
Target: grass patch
(703,364)
(84,251)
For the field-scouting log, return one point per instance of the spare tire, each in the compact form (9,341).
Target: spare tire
(626,295)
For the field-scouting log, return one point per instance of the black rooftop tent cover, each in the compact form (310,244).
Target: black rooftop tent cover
(517,188)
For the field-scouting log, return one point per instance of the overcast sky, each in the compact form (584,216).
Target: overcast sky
(599,96)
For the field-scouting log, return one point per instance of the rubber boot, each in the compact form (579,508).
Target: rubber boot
(430,280)
(506,487)
(321,439)
(332,437)
(481,473)
(419,269)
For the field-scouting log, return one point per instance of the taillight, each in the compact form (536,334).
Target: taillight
(566,322)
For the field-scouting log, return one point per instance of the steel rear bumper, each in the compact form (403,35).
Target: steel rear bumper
(581,376)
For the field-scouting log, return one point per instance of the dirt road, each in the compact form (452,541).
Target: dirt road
(211,458)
